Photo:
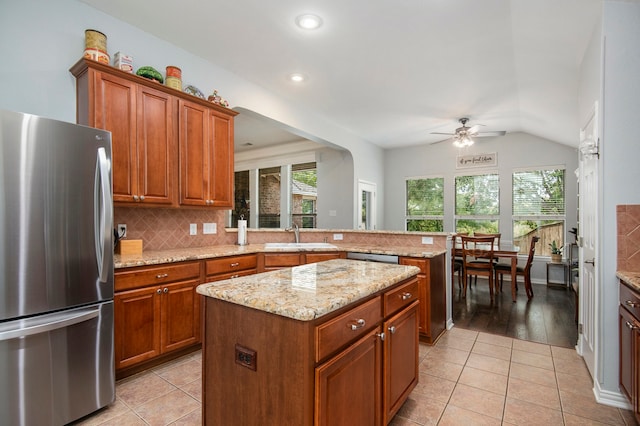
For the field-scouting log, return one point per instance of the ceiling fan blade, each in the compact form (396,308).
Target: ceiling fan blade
(440,133)
(474,129)
(489,134)
(443,140)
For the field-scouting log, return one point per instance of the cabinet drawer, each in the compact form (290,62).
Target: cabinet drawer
(227,276)
(224,265)
(319,257)
(400,296)
(143,276)
(630,300)
(345,328)
(410,261)
(281,260)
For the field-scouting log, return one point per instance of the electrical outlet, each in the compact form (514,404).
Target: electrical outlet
(193,229)
(337,237)
(122,230)
(246,357)
(427,240)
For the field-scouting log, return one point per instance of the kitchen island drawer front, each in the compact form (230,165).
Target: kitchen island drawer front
(131,278)
(630,300)
(346,328)
(400,297)
(230,264)
(418,262)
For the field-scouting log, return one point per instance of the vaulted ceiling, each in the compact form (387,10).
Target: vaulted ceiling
(392,72)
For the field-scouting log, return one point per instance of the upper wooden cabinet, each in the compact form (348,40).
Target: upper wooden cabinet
(169,148)
(206,156)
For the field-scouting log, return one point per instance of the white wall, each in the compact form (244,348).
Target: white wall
(40,40)
(335,174)
(619,173)
(515,150)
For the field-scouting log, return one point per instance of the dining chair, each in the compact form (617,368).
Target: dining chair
(505,268)
(456,261)
(477,259)
(496,237)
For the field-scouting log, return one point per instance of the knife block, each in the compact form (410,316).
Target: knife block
(128,247)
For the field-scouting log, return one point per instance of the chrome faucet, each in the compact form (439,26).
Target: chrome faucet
(296,231)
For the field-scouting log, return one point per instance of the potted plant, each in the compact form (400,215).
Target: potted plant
(556,252)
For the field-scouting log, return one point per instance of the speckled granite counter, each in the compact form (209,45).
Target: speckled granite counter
(631,278)
(180,255)
(309,291)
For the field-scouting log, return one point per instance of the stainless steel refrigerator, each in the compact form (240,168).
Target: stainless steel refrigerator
(56,271)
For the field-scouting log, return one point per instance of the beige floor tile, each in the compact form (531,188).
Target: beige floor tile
(581,384)
(461,333)
(488,363)
(583,406)
(440,368)
(525,413)
(142,389)
(115,410)
(422,409)
(194,389)
(565,353)
(534,360)
(448,354)
(478,400)
(573,420)
(174,363)
(536,348)
(434,387)
(423,350)
(569,366)
(494,339)
(182,373)
(401,421)
(531,374)
(167,408)
(533,393)
(628,417)
(500,352)
(454,416)
(456,343)
(128,419)
(485,380)
(194,418)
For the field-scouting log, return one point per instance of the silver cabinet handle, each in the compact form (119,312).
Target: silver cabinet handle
(631,326)
(166,290)
(392,329)
(234,276)
(382,336)
(234,264)
(406,296)
(159,291)
(160,276)
(631,304)
(359,324)
(142,198)
(136,198)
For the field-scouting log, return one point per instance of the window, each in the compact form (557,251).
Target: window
(539,208)
(477,203)
(304,193)
(425,204)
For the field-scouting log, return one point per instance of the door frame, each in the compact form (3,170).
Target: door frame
(372,188)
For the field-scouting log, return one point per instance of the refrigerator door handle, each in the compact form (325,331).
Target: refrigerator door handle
(33,326)
(103,210)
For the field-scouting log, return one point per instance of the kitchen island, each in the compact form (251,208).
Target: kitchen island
(328,343)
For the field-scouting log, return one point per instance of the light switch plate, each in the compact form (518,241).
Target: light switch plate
(332,213)
(337,237)
(193,229)
(427,240)
(209,228)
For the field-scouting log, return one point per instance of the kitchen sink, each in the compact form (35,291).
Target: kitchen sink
(300,246)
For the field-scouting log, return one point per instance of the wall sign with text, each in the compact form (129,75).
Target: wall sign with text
(477,160)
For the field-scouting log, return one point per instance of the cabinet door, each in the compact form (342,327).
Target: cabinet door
(347,387)
(156,146)
(180,315)
(137,326)
(194,153)
(221,159)
(114,109)
(400,359)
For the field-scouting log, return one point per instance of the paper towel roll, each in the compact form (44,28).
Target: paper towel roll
(242,232)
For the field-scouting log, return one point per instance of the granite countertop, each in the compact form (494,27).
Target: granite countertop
(198,253)
(310,291)
(631,278)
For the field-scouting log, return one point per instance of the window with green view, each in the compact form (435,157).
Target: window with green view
(424,204)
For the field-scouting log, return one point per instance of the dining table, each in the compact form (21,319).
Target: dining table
(505,253)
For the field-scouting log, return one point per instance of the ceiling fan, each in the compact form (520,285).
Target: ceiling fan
(463,135)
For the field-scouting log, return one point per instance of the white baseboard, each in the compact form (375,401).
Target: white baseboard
(449,324)
(613,399)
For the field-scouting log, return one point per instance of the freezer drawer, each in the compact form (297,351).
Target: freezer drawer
(57,367)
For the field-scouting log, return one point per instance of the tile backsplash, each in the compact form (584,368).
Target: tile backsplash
(161,229)
(628,236)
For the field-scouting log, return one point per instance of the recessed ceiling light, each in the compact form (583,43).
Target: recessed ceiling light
(309,21)
(297,78)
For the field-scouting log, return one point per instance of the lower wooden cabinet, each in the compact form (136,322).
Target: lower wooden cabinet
(279,260)
(629,326)
(157,313)
(433,297)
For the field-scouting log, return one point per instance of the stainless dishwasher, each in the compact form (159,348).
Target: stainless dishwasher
(372,257)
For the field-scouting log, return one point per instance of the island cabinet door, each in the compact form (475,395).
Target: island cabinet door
(400,359)
(348,386)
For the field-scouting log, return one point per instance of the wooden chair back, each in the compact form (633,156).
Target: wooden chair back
(474,248)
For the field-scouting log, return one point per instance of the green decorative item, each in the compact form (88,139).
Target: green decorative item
(150,73)
(556,252)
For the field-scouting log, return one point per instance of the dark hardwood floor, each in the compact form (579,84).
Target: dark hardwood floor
(549,317)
